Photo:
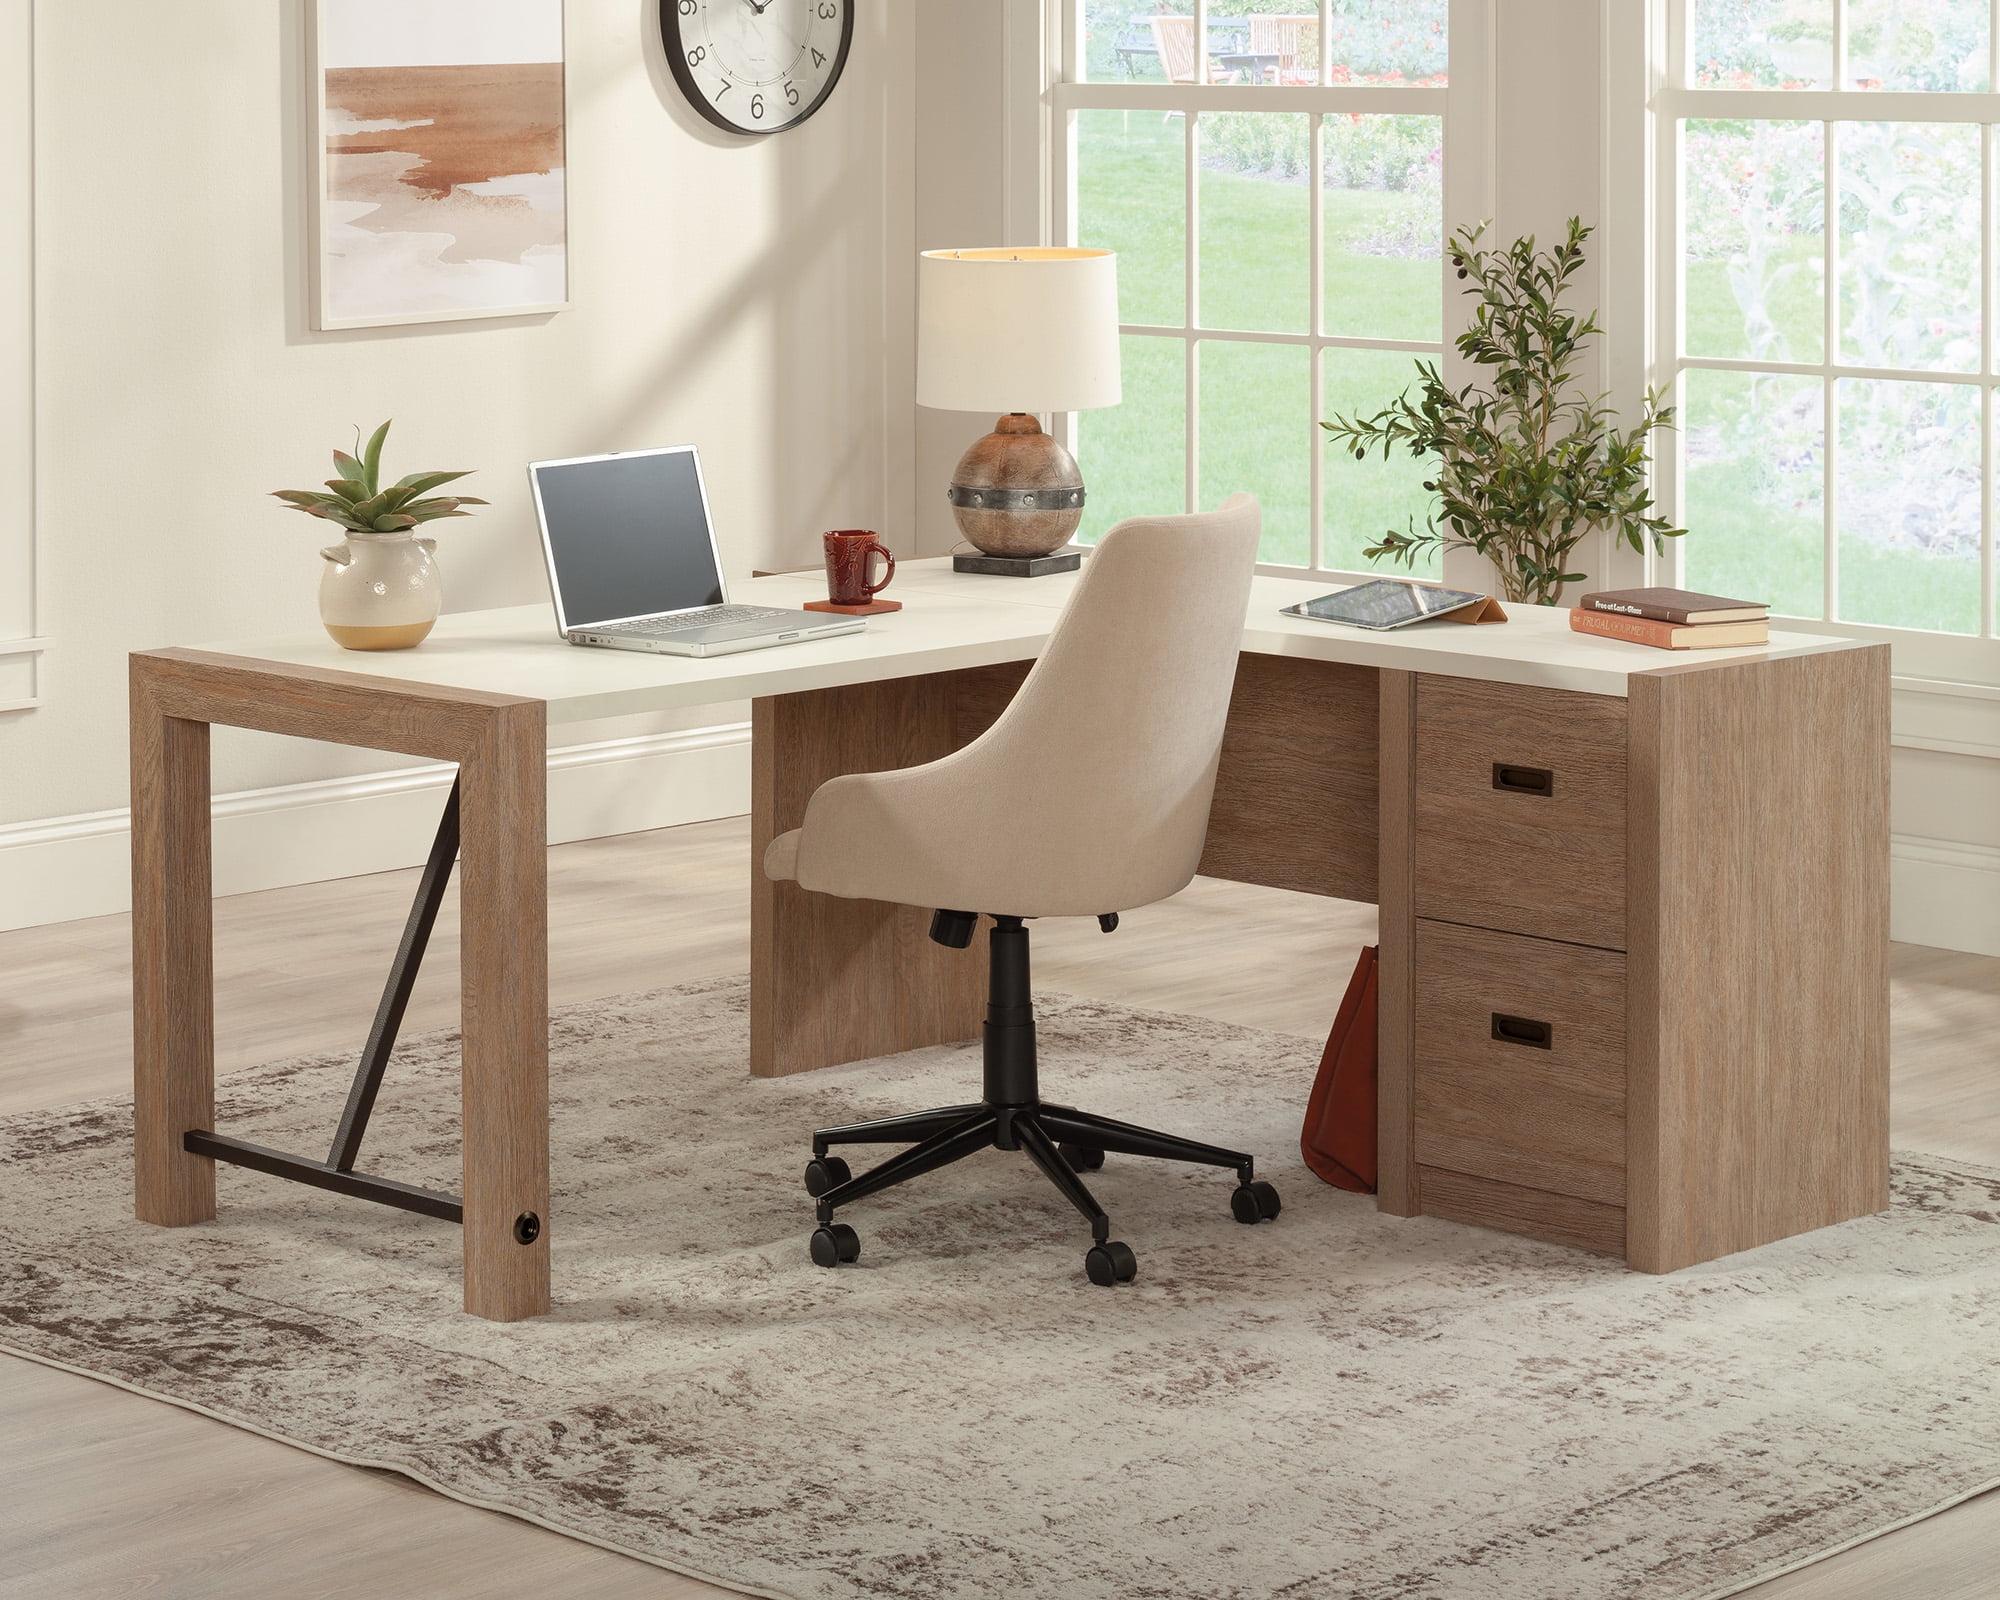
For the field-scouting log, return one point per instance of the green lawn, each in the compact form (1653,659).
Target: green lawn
(1752,499)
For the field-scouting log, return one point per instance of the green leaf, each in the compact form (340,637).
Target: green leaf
(348,467)
(371,508)
(347,489)
(371,457)
(421,483)
(393,522)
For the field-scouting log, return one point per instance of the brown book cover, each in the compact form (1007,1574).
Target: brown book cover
(1669,635)
(1675,605)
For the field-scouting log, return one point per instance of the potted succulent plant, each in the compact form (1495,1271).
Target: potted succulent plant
(1526,468)
(380,589)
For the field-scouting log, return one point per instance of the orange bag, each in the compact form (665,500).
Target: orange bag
(1339,1138)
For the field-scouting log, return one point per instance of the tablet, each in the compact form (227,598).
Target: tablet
(1385,603)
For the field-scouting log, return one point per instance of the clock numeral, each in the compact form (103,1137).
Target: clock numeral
(757,106)
(828,10)
(791,93)
(726,87)
(687,8)
(697,55)
(819,59)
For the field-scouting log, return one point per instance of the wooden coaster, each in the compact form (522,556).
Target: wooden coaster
(874,608)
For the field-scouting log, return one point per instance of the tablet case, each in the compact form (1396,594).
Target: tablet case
(1488,610)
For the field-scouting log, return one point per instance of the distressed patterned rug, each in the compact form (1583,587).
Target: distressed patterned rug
(1337,1404)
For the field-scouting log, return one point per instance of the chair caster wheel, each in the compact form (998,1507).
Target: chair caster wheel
(1083,1157)
(1111,1262)
(1254,1202)
(835,1243)
(824,1173)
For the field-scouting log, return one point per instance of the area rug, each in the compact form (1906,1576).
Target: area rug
(1337,1404)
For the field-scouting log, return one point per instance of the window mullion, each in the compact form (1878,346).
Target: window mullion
(1316,325)
(1668,301)
(1839,54)
(1190,266)
(1830,354)
(1989,148)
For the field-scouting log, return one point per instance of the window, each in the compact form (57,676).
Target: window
(1825,274)
(1278,198)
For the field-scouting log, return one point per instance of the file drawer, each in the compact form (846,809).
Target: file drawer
(1520,1061)
(1520,810)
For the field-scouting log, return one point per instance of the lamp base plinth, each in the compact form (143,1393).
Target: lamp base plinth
(1017,492)
(1019,566)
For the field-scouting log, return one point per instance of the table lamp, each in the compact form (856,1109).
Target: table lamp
(1018,332)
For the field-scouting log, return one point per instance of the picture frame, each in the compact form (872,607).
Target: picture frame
(471,221)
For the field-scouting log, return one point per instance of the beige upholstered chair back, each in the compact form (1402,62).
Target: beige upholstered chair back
(1090,793)
(1112,740)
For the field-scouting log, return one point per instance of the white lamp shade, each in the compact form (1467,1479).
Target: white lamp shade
(1017,330)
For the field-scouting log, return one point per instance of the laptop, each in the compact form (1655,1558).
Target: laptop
(633,564)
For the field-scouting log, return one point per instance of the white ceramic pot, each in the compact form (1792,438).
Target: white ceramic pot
(380,591)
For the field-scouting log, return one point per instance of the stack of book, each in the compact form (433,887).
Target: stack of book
(1672,619)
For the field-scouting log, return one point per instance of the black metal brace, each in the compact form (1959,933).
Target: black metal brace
(336,1173)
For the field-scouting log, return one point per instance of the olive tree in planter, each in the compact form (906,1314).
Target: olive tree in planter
(1528,466)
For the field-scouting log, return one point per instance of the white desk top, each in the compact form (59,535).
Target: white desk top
(951,620)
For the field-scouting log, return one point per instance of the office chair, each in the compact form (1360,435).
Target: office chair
(1088,797)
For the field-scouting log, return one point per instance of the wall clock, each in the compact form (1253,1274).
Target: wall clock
(757,66)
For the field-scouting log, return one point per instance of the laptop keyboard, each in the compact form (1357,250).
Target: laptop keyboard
(709,617)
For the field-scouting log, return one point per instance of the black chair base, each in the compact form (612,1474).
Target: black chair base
(1061,1140)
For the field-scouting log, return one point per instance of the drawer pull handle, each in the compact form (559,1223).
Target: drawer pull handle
(1523,780)
(1523,1030)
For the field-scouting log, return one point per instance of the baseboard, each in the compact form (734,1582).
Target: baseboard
(80,866)
(1944,893)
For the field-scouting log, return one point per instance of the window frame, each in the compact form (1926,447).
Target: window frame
(1659,34)
(1464,107)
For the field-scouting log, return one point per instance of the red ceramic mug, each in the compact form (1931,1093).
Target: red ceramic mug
(848,552)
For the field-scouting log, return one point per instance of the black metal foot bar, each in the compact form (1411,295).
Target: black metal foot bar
(336,1173)
(321,1175)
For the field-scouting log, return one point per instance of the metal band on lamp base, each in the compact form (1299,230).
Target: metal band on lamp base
(1015,499)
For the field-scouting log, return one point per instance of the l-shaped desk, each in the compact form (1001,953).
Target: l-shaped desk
(1634,906)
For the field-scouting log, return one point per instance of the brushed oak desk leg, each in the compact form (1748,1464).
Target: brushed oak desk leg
(173,991)
(1759,934)
(499,743)
(504,1002)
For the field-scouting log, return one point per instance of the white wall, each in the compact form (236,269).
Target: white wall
(962,90)
(752,296)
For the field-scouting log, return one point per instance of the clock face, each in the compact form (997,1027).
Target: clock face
(757,66)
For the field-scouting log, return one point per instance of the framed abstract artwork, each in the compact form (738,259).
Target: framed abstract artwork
(438,134)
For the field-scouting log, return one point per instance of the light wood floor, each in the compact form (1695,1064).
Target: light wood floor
(105,1493)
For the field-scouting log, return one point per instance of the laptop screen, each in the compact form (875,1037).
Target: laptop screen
(627,536)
